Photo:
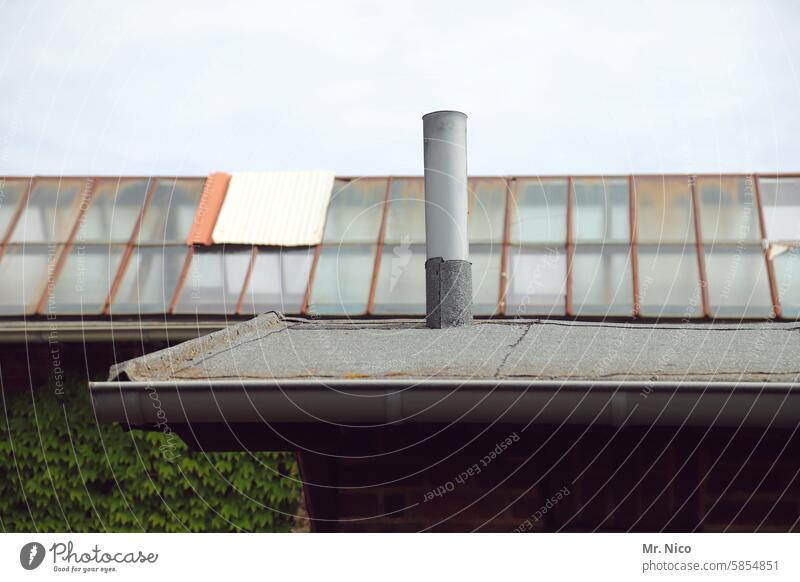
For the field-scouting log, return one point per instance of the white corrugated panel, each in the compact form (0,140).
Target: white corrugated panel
(274,208)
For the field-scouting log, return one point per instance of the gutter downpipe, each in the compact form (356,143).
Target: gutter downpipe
(380,402)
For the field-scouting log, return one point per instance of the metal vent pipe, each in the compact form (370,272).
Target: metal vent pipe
(448,272)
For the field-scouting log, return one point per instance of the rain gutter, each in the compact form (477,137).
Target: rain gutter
(396,401)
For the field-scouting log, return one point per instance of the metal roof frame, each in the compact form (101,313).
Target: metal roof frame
(510,181)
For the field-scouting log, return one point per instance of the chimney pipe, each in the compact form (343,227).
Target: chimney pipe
(448,272)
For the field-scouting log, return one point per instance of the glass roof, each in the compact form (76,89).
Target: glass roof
(652,246)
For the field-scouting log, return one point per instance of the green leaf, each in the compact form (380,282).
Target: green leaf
(60,471)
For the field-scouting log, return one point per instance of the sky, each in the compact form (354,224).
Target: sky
(188,88)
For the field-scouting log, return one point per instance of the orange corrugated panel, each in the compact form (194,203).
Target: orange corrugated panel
(208,209)
(275,208)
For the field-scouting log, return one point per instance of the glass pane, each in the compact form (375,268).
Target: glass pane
(487,208)
(150,279)
(669,281)
(781,199)
(406,220)
(601,212)
(485,278)
(85,280)
(737,282)
(539,211)
(601,280)
(116,206)
(787,275)
(51,210)
(537,282)
(23,274)
(728,211)
(342,280)
(214,281)
(170,214)
(664,209)
(279,280)
(11,192)
(355,211)
(401,280)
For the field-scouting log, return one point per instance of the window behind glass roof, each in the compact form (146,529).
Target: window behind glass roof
(279,280)
(12,191)
(23,274)
(601,210)
(150,279)
(170,215)
(51,210)
(85,279)
(115,208)
(728,210)
(738,285)
(215,280)
(602,283)
(539,211)
(669,281)
(787,273)
(487,209)
(406,220)
(781,199)
(342,280)
(537,281)
(355,211)
(664,212)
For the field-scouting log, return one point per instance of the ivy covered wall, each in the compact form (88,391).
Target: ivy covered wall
(61,471)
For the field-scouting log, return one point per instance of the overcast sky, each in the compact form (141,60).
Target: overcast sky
(549,87)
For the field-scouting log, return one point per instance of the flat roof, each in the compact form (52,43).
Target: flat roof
(272,347)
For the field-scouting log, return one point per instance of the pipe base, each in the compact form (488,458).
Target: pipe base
(448,293)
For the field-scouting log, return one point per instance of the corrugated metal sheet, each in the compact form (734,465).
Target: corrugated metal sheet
(275,208)
(208,209)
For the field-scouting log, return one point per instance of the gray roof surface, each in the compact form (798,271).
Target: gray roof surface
(273,347)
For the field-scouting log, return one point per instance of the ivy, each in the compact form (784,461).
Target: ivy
(62,471)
